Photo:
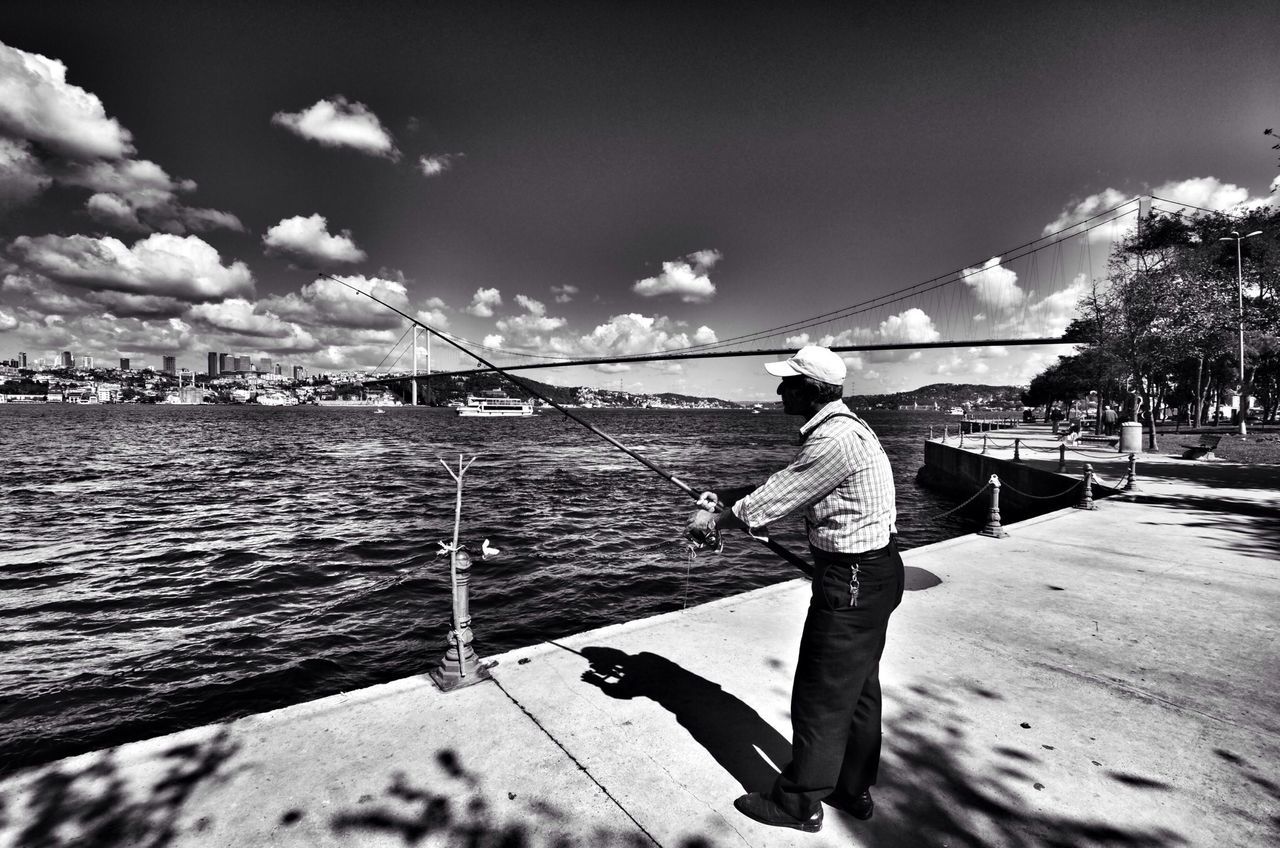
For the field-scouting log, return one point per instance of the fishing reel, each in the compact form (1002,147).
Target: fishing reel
(702,532)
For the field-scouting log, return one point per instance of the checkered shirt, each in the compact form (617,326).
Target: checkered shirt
(841,479)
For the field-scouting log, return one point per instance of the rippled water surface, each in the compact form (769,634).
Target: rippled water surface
(169,566)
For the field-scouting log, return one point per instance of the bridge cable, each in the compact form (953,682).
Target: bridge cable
(787,555)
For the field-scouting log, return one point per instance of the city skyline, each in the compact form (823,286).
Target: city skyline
(589,179)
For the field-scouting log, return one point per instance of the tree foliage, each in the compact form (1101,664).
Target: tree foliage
(1165,322)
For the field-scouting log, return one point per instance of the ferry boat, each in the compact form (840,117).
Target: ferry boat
(495,404)
(956,410)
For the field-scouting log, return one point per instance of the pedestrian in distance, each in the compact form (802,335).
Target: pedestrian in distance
(842,481)
(1109,419)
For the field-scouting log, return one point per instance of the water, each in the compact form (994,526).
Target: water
(167,566)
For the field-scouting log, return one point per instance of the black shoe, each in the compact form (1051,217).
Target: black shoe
(860,806)
(756,806)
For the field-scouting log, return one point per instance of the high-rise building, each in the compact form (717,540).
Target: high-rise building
(222,362)
(279,370)
(299,372)
(124,363)
(170,365)
(66,359)
(86,362)
(236,364)
(264,364)
(22,360)
(213,364)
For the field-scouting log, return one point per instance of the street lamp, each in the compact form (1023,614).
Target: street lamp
(1237,238)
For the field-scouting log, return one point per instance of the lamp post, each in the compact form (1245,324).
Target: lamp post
(1237,238)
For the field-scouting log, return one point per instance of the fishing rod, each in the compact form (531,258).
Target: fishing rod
(787,555)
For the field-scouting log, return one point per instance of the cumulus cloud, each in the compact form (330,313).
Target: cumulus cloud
(39,105)
(431,166)
(340,123)
(326,302)
(7,321)
(483,302)
(564,294)
(21,175)
(182,267)
(687,278)
(433,314)
(633,333)
(994,286)
(527,329)
(308,243)
(492,340)
(1204,192)
(137,195)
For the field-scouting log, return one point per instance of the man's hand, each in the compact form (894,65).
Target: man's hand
(709,501)
(702,530)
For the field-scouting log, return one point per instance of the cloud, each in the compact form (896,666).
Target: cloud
(492,340)
(1204,192)
(994,286)
(340,123)
(37,104)
(633,333)
(611,367)
(307,242)
(483,302)
(326,302)
(21,175)
(685,277)
(137,195)
(7,321)
(431,166)
(565,293)
(527,329)
(186,268)
(433,314)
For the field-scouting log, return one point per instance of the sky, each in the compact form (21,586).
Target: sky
(593,179)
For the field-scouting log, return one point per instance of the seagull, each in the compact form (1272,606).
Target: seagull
(487,550)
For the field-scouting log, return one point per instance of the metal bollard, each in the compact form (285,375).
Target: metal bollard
(930,432)
(984,443)
(993,528)
(459,666)
(962,429)
(1086,496)
(1062,459)
(1131,482)
(946,433)
(1017,450)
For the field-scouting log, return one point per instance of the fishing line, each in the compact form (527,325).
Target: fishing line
(787,555)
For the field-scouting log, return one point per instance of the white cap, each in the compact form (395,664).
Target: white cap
(811,361)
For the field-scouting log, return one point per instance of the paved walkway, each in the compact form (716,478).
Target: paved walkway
(1100,678)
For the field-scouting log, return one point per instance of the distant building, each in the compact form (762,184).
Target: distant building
(170,365)
(86,362)
(124,363)
(236,364)
(22,360)
(264,364)
(66,359)
(222,362)
(299,372)
(279,370)
(213,364)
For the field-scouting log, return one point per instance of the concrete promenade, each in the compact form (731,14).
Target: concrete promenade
(1104,678)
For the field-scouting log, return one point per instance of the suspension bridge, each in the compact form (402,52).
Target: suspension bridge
(1024,296)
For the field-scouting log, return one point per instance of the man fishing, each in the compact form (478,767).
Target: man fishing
(842,481)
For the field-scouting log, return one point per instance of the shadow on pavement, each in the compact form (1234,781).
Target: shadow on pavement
(730,730)
(1240,525)
(1224,475)
(929,794)
(447,816)
(97,808)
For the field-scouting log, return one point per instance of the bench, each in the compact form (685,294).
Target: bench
(1204,450)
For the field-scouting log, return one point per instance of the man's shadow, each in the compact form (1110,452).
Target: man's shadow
(732,732)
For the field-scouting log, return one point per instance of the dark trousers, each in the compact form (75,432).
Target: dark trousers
(835,700)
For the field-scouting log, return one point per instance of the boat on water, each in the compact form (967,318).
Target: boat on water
(495,404)
(956,410)
(379,411)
